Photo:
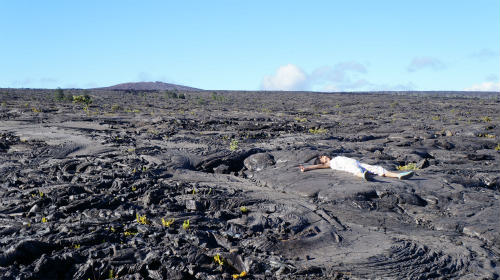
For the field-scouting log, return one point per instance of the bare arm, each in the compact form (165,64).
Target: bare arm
(312,167)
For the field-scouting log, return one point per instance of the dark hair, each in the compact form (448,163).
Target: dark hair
(318,161)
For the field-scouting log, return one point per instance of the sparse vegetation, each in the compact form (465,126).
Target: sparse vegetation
(241,275)
(170,94)
(142,219)
(409,166)
(115,108)
(318,130)
(185,224)
(167,223)
(218,259)
(486,119)
(59,94)
(218,97)
(130,232)
(233,146)
(486,135)
(85,99)
(153,131)
(201,101)
(82,99)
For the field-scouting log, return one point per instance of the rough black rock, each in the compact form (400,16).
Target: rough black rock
(141,185)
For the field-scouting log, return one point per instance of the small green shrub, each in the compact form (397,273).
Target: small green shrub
(173,94)
(167,223)
(218,259)
(218,97)
(142,219)
(130,232)
(83,99)
(185,224)
(486,135)
(486,119)
(298,119)
(233,146)
(318,130)
(201,101)
(115,108)
(59,94)
(409,166)
(129,110)
(170,94)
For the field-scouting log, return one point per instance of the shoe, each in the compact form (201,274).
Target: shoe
(405,175)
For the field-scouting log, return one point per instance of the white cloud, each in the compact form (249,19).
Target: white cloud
(343,76)
(338,73)
(484,54)
(287,77)
(486,86)
(423,62)
(351,66)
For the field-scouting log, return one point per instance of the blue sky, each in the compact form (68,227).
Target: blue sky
(251,45)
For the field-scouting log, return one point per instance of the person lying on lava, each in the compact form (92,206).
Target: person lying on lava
(355,167)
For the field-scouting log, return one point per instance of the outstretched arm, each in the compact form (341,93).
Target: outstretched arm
(311,167)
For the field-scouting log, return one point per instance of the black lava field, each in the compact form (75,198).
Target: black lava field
(206,185)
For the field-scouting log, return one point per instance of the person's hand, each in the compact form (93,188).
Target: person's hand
(302,169)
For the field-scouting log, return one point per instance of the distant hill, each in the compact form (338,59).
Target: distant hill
(149,86)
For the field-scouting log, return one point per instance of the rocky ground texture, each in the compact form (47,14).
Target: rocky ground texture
(146,185)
